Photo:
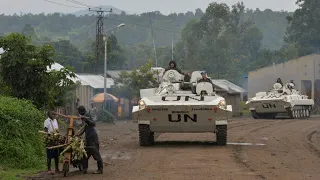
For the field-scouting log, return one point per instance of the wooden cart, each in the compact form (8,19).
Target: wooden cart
(67,154)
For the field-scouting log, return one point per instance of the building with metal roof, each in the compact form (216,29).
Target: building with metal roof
(90,85)
(231,92)
(228,86)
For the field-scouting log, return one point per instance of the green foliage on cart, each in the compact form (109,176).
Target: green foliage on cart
(20,144)
(105,116)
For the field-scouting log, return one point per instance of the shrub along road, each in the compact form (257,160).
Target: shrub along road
(291,151)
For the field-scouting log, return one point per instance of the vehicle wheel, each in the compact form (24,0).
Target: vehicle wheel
(254,115)
(221,135)
(65,168)
(290,113)
(304,111)
(307,113)
(300,114)
(146,137)
(295,114)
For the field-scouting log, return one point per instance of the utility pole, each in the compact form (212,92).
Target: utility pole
(172,48)
(99,35)
(154,45)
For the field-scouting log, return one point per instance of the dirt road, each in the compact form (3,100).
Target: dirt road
(285,149)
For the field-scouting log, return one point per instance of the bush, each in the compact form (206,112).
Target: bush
(21,145)
(244,109)
(105,116)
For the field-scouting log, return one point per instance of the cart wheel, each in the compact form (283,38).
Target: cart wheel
(65,168)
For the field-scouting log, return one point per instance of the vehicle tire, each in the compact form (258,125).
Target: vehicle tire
(146,137)
(65,168)
(221,135)
(290,113)
(308,113)
(254,115)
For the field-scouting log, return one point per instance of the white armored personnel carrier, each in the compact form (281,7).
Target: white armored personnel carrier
(179,106)
(281,100)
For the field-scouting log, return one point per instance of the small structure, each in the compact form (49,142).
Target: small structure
(231,92)
(112,103)
(90,85)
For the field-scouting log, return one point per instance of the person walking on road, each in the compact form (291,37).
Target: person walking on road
(51,126)
(92,141)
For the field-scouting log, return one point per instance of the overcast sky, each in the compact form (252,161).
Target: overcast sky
(135,6)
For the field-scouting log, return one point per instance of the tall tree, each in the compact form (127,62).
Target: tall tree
(304,26)
(24,67)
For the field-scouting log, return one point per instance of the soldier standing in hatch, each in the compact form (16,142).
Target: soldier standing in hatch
(279,81)
(173,66)
(92,141)
(205,78)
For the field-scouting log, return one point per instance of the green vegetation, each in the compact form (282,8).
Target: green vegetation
(15,174)
(226,41)
(21,146)
(128,85)
(244,110)
(73,37)
(105,116)
(24,69)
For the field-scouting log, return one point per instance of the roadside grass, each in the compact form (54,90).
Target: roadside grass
(16,174)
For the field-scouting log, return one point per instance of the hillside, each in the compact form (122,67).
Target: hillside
(137,30)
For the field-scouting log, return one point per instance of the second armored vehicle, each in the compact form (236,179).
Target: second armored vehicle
(180,106)
(281,100)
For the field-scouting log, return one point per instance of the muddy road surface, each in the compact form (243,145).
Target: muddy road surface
(258,149)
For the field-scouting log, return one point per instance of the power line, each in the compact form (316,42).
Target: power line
(99,33)
(79,3)
(63,4)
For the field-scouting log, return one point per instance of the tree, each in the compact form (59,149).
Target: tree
(29,31)
(128,85)
(304,29)
(68,54)
(24,69)
(222,42)
(116,58)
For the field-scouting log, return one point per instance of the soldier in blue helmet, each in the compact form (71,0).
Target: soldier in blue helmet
(204,77)
(291,81)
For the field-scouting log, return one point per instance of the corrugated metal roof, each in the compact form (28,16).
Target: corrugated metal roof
(1,51)
(228,86)
(95,81)
(116,73)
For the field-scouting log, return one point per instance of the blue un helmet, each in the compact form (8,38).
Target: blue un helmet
(203,72)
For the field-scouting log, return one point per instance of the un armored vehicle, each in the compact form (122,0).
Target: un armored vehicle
(180,105)
(280,100)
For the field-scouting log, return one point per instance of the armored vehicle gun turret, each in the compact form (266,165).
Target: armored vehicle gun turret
(285,100)
(181,105)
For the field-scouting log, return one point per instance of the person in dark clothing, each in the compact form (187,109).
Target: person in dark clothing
(279,81)
(92,141)
(291,81)
(204,77)
(173,66)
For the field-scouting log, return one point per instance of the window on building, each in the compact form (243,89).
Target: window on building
(317,92)
(306,88)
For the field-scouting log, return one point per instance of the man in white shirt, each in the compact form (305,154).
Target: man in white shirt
(51,126)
